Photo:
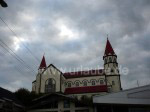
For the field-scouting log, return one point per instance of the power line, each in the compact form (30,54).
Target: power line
(19,39)
(7,48)
(19,69)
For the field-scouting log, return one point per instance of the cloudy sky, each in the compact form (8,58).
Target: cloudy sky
(72,34)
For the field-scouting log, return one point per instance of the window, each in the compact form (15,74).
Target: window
(93,83)
(50,85)
(101,81)
(112,70)
(114,59)
(65,84)
(109,90)
(84,83)
(69,84)
(49,105)
(66,104)
(110,60)
(77,84)
(113,82)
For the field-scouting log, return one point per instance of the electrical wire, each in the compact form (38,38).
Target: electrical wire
(13,32)
(13,54)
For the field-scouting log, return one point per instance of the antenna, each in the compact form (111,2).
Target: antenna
(107,36)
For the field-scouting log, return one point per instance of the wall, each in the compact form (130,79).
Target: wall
(88,79)
(51,72)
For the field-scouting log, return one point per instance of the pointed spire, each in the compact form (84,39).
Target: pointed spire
(43,63)
(108,48)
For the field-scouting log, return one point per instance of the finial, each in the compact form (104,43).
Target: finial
(107,36)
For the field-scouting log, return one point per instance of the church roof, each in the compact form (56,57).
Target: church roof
(43,63)
(109,48)
(84,73)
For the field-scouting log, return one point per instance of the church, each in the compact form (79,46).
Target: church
(80,83)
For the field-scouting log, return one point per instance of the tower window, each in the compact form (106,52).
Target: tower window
(50,85)
(93,83)
(112,70)
(114,59)
(110,60)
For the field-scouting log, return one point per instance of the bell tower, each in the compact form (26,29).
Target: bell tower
(42,65)
(111,68)
(41,68)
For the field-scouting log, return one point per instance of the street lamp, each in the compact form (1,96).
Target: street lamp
(3,3)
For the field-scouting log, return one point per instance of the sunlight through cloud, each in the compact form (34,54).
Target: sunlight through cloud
(66,32)
(17,43)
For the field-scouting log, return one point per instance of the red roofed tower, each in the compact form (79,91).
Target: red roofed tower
(111,68)
(41,68)
(42,65)
(108,49)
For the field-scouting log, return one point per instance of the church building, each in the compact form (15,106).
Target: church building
(80,83)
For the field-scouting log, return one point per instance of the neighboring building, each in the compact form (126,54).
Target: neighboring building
(131,100)
(57,102)
(8,102)
(51,79)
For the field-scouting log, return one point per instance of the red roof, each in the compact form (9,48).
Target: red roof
(84,73)
(109,48)
(86,89)
(43,63)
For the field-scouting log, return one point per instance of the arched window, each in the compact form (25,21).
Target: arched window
(93,83)
(114,59)
(69,84)
(110,60)
(101,81)
(50,85)
(85,83)
(77,84)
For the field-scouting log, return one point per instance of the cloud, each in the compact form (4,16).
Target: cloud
(73,34)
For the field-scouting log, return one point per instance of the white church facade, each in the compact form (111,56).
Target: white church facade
(80,83)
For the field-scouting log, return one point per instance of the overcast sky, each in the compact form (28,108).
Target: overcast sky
(73,33)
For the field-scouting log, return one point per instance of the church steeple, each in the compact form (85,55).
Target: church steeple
(109,55)
(111,68)
(109,49)
(43,63)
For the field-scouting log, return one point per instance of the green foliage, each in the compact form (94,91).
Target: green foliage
(86,100)
(25,96)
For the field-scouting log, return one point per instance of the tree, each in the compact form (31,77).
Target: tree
(24,96)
